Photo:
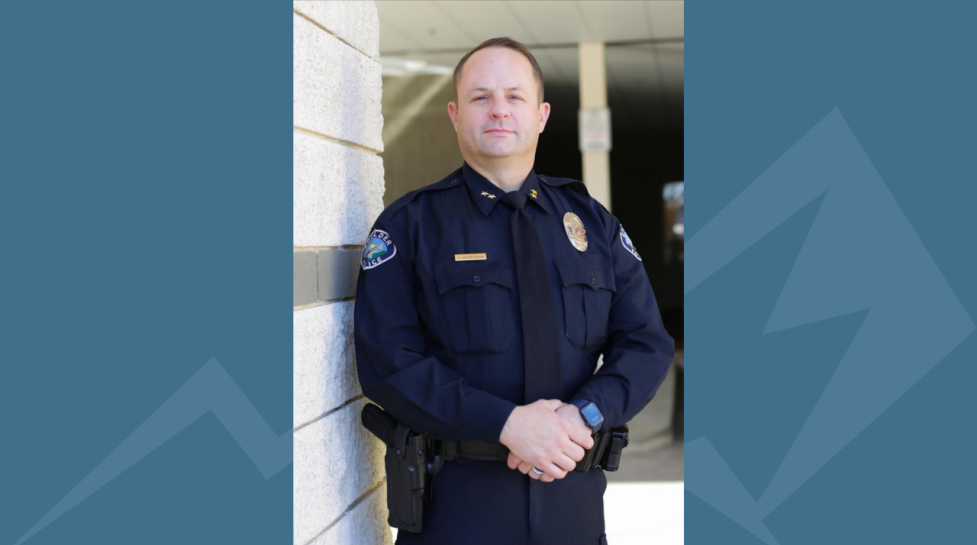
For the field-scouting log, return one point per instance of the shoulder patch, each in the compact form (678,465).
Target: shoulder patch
(378,249)
(628,245)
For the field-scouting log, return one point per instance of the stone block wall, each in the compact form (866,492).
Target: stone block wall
(338,489)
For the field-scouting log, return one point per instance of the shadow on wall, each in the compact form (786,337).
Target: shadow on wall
(420,145)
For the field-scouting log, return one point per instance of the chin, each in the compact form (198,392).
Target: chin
(498,152)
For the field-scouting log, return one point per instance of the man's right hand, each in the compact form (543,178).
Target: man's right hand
(537,435)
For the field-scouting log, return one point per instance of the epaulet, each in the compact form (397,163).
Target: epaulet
(575,185)
(452,180)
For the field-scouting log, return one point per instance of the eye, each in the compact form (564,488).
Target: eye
(481,97)
(516,97)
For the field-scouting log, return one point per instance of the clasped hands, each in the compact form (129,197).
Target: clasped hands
(548,434)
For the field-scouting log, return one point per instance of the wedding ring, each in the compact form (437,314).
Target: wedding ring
(536,471)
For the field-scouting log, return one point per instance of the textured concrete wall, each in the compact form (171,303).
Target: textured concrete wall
(338,489)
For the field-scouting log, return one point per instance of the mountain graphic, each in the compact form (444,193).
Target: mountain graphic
(375,249)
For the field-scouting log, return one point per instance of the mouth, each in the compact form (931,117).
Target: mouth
(498,131)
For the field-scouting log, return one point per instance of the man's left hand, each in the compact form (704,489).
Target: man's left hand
(571,413)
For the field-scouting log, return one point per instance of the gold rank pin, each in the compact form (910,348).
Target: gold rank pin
(487,194)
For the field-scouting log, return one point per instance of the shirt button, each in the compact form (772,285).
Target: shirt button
(593,281)
(478,278)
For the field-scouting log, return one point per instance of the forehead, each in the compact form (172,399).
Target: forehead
(497,66)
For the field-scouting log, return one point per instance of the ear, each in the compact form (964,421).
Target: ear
(544,115)
(453,114)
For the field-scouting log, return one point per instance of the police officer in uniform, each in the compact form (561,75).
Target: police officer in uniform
(484,302)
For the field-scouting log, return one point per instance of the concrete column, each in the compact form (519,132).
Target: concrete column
(338,486)
(593,94)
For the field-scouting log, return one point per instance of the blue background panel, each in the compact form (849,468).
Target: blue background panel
(829,266)
(145,225)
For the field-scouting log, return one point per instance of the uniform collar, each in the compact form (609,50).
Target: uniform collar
(486,194)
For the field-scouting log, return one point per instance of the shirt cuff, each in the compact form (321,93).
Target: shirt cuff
(491,414)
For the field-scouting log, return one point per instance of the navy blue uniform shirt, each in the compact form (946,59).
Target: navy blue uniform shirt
(439,344)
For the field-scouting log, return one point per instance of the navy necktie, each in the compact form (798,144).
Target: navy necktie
(540,335)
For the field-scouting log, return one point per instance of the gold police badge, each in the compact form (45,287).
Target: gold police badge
(575,231)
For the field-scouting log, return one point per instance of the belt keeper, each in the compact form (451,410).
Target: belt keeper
(450,450)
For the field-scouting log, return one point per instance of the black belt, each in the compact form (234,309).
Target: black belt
(475,450)
(605,454)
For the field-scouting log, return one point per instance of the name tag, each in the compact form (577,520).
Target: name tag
(471,257)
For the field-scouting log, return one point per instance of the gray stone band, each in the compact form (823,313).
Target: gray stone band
(324,275)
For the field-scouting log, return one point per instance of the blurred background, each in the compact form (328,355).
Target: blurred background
(623,57)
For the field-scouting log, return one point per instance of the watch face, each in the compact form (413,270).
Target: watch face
(592,415)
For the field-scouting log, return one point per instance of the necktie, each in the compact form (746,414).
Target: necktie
(540,335)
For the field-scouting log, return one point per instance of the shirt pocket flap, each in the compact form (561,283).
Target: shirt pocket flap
(588,272)
(474,274)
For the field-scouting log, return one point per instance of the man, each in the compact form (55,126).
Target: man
(483,305)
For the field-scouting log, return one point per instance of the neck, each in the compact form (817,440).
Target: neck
(505,173)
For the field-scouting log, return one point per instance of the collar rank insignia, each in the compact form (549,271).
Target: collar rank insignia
(575,231)
(487,194)
(532,193)
(379,248)
(628,245)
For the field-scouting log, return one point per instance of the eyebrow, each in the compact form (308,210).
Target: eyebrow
(482,89)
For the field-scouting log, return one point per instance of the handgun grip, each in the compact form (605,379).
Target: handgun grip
(379,423)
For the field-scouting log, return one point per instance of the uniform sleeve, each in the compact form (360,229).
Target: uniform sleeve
(638,351)
(391,361)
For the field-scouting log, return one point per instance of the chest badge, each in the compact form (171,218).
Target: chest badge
(575,231)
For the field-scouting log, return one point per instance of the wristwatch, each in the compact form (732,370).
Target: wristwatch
(590,413)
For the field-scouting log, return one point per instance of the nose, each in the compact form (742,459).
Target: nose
(499,110)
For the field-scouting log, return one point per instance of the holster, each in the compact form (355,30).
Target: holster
(606,452)
(411,462)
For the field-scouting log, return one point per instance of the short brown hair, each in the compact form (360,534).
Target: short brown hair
(511,44)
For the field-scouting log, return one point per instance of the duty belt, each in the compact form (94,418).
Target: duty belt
(475,450)
(605,454)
